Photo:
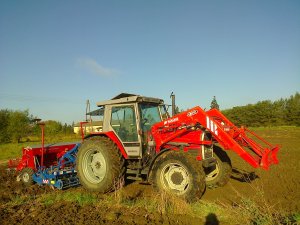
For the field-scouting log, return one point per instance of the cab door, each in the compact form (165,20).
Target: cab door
(123,121)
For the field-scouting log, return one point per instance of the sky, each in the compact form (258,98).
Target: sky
(54,55)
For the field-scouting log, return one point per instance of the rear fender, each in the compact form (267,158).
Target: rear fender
(112,136)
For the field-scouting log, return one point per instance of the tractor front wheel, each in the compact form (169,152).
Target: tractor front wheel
(219,174)
(100,165)
(26,176)
(180,174)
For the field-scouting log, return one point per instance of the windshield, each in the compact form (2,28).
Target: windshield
(150,114)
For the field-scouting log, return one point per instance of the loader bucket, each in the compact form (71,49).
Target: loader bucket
(269,158)
(250,146)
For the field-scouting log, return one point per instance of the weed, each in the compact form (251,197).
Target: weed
(81,198)
(18,200)
(118,191)
(204,208)
(296,217)
(166,203)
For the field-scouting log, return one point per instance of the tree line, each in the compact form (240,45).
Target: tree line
(267,113)
(17,124)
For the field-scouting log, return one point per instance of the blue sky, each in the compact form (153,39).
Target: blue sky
(54,55)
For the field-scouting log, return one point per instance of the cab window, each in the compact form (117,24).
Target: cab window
(123,122)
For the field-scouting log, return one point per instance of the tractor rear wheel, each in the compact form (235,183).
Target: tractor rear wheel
(219,174)
(26,176)
(100,165)
(180,174)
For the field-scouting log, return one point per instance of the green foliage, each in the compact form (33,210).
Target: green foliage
(292,109)
(267,113)
(177,110)
(18,126)
(214,104)
(53,127)
(4,121)
(15,125)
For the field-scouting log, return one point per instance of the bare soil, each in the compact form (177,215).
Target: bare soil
(20,204)
(278,188)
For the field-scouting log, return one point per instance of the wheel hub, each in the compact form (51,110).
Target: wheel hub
(97,165)
(94,166)
(25,177)
(175,177)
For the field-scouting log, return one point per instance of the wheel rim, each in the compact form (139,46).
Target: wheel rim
(212,173)
(94,166)
(25,177)
(175,177)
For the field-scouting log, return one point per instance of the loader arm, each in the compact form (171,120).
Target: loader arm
(185,128)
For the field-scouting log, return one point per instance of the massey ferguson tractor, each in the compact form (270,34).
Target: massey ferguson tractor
(181,154)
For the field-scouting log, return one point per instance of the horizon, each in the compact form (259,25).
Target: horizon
(181,109)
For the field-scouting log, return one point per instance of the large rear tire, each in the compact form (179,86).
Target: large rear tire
(100,165)
(218,175)
(180,174)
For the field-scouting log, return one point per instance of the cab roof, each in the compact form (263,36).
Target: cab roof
(128,98)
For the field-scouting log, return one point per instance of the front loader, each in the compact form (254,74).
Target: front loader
(140,141)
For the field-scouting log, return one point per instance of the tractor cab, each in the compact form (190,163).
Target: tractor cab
(130,117)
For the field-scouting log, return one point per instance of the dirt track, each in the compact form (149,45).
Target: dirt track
(277,188)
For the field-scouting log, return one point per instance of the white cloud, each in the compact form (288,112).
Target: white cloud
(96,68)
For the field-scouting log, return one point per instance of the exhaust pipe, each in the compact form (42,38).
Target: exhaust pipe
(172,96)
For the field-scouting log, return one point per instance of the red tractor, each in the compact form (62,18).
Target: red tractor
(140,141)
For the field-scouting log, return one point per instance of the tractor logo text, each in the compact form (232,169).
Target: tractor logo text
(171,121)
(191,113)
(211,125)
(45,181)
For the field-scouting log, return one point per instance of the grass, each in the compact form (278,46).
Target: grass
(81,198)
(12,150)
